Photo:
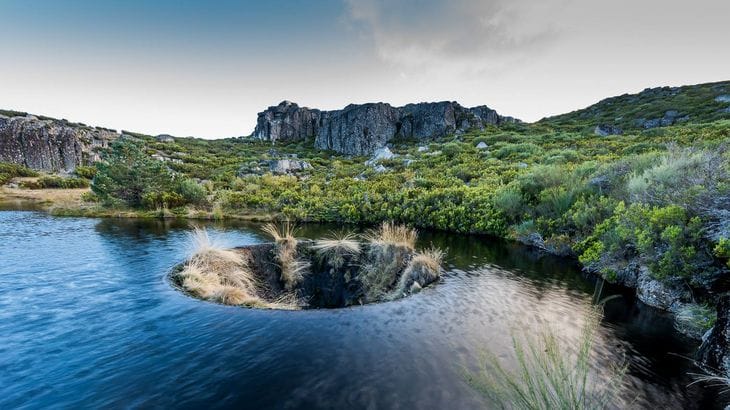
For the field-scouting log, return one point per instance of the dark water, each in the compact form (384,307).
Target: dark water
(87,320)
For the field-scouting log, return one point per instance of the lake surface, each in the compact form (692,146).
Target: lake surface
(88,320)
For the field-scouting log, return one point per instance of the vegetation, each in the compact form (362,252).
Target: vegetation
(128,175)
(549,375)
(292,268)
(10,171)
(53,181)
(337,248)
(654,198)
(221,275)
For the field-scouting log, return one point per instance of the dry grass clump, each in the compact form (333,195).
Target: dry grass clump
(223,276)
(292,269)
(393,234)
(217,274)
(423,269)
(337,247)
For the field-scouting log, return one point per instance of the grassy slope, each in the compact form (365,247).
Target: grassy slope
(697,101)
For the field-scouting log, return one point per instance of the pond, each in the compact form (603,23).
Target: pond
(88,319)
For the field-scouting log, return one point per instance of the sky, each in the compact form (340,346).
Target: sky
(206,68)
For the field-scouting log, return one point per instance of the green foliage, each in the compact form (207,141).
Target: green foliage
(53,181)
(666,239)
(127,174)
(9,171)
(722,250)
(549,375)
(85,172)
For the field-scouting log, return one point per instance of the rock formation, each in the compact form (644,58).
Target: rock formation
(715,350)
(287,122)
(50,145)
(360,129)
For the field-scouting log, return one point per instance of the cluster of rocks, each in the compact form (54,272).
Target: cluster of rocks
(360,129)
(604,130)
(51,145)
(279,164)
(670,117)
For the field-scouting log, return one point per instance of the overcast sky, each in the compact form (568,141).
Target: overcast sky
(205,68)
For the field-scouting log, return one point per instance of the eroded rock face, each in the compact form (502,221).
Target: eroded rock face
(50,145)
(715,350)
(360,129)
(287,122)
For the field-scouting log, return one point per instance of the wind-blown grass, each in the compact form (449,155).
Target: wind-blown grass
(217,274)
(337,247)
(549,375)
(393,234)
(292,269)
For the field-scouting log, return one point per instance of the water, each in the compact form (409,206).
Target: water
(88,320)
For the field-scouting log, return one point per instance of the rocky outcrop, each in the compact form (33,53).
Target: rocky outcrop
(287,122)
(604,130)
(360,129)
(50,145)
(714,353)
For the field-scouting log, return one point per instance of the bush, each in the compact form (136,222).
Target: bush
(85,172)
(129,175)
(53,181)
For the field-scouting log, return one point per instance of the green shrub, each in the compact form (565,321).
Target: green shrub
(85,172)
(53,181)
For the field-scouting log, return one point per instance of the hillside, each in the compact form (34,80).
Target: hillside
(651,108)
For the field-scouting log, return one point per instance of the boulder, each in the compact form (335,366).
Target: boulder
(714,353)
(379,155)
(165,138)
(605,130)
(482,145)
(287,166)
(725,98)
(660,294)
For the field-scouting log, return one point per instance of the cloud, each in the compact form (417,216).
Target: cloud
(473,35)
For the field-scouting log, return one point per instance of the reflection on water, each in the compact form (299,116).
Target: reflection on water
(88,320)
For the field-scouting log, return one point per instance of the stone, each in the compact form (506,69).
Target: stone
(51,145)
(604,130)
(482,145)
(165,138)
(423,149)
(725,98)
(287,166)
(659,294)
(714,353)
(379,155)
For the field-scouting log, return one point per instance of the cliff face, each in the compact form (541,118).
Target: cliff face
(360,129)
(50,145)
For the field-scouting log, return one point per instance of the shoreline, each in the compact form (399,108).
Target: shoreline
(69,203)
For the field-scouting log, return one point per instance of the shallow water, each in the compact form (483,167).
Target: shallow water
(88,320)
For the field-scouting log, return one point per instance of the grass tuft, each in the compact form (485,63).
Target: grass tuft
(393,234)
(337,248)
(549,375)
(292,269)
